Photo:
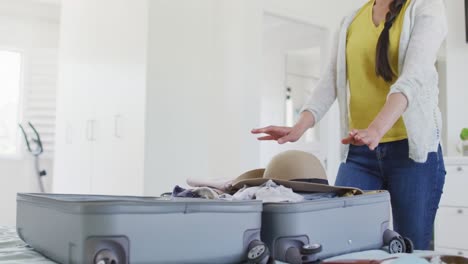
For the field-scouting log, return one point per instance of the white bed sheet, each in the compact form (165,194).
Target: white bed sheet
(14,251)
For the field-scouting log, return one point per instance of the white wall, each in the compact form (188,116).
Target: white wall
(30,28)
(203,90)
(102,77)
(457,65)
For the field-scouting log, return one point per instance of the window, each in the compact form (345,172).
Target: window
(10,83)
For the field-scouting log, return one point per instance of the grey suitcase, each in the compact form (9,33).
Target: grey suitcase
(308,231)
(119,230)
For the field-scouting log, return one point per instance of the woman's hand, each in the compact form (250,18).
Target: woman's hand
(370,137)
(287,134)
(280,134)
(393,109)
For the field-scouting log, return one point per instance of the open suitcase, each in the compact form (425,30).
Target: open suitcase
(119,230)
(308,231)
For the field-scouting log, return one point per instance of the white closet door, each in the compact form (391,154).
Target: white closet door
(76,132)
(118,150)
(120,87)
(103,55)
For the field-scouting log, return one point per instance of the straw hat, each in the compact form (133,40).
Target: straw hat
(298,170)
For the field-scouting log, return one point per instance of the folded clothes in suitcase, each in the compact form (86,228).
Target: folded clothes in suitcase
(119,230)
(306,232)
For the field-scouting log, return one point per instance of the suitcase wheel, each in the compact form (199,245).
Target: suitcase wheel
(307,254)
(397,245)
(409,245)
(311,249)
(258,254)
(106,257)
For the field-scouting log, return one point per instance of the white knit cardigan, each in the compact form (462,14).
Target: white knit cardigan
(424,30)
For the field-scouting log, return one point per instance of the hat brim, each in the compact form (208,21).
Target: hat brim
(298,186)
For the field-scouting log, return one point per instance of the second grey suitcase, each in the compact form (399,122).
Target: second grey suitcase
(119,230)
(308,231)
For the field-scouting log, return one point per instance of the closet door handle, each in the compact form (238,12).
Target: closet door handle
(90,130)
(459,169)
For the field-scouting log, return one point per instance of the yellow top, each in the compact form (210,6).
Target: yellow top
(368,91)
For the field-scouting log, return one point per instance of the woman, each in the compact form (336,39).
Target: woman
(383,73)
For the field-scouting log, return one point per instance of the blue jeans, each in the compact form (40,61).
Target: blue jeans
(415,188)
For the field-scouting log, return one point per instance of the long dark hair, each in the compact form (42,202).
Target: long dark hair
(382,65)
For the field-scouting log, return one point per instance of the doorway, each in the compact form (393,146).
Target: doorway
(293,54)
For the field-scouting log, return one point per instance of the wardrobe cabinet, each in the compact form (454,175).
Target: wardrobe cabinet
(451,226)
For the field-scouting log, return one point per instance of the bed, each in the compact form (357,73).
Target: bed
(15,251)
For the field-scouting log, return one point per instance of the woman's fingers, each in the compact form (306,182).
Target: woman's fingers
(293,135)
(356,137)
(258,130)
(353,132)
(281,134)
(361,134)
(285,139)
(263,130)
(271,130)
(267,138)
(347,140)
(363,137)
(373,146)
(352,138)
